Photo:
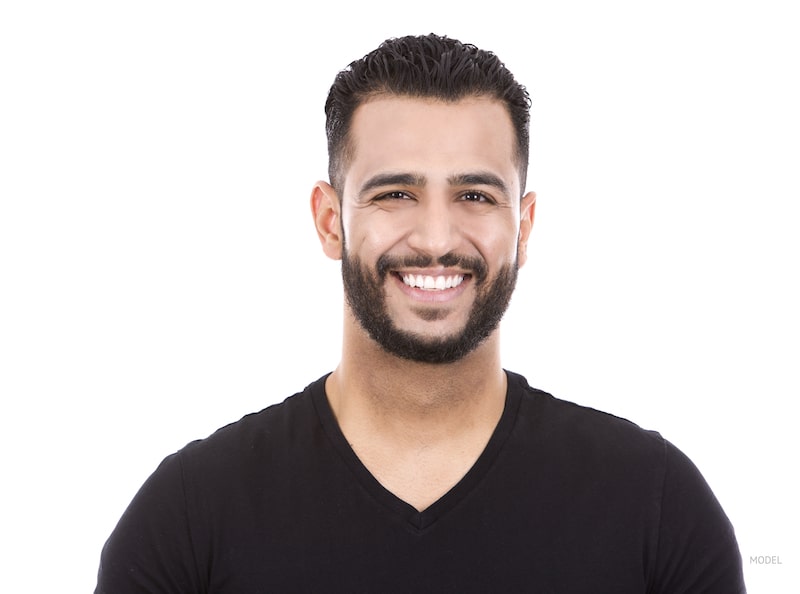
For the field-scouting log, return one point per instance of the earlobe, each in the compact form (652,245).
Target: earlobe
(527,210)
(325,208)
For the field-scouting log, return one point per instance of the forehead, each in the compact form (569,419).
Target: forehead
(431,136)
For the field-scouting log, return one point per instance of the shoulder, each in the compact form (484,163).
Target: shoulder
(585,445)
(635,476)
(582,427)
(257,437)
(603,441)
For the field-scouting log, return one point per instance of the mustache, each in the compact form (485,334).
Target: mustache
(472,264)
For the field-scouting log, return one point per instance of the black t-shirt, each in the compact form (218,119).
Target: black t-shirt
(564,499)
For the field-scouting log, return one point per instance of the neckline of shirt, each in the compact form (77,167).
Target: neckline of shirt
(420,521)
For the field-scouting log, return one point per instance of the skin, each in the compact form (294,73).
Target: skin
(427,178)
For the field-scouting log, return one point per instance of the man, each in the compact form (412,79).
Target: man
(419,464)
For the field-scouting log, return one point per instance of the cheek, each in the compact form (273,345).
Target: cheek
(497,242)
(371,236)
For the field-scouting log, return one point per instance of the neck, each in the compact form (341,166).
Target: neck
(416,427)
(372,389)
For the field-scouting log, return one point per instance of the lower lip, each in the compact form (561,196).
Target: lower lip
(432,295)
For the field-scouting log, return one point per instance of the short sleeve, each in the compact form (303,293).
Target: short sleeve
(150,550)
(697,549)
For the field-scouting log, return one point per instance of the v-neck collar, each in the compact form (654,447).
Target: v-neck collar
(419,520)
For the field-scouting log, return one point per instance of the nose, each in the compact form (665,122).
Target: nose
(435,231)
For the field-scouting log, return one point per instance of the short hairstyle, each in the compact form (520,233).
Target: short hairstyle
(426,66)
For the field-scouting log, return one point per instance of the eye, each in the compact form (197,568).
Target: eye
(393,195)
(475,196)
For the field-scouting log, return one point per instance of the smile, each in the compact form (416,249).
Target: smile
(432,283)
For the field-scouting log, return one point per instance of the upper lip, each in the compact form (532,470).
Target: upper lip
(432,272)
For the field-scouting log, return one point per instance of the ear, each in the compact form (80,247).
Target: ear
(527,208)
(325,208)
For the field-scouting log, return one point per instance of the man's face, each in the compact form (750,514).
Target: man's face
(431,224)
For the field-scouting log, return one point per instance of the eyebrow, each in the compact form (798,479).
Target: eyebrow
(392,179)
(478,178)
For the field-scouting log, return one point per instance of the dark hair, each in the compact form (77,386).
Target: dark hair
(428,66)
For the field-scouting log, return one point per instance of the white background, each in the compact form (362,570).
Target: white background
(160,276)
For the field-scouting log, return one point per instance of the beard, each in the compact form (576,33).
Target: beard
(366,295)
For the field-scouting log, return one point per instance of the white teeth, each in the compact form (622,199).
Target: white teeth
(433,283)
